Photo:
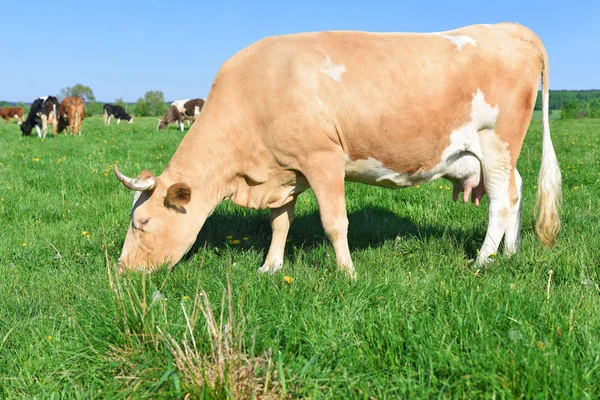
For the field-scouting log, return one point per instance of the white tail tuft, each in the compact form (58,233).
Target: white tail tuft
(549,182)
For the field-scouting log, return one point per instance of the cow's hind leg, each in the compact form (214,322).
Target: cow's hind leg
(512,236)
(326,178)
(44,126)
(497,167)
(281,219)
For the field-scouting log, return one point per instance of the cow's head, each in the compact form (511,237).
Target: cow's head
(163,224)
(131,120)
(26,128)
(162,124)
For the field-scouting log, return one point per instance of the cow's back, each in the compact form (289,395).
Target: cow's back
(376,94)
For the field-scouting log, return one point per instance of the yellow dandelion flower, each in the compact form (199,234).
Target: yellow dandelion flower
(288,279)
(24,244)
(245,238)
(85,233)
(572,142)
(228,237)
(186,298)
(576,188)
(236,241)
(49,337)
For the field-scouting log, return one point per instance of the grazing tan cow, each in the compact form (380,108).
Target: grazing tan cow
(181,110)
(388,109)
(7,113)
(72,113)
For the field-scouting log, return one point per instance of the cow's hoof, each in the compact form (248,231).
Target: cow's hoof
(352,274)
(270,267)
(484,261)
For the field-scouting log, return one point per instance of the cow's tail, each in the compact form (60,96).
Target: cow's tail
(549,181)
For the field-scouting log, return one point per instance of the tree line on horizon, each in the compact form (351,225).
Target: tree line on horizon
(151,105)
(571,103)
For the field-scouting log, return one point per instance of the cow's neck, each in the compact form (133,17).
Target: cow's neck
(208,162)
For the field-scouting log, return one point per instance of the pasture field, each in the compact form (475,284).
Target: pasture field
(420,321)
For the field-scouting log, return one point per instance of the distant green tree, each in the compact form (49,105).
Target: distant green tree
(141,108)
(80,90)
(156,102)
(572,109)
(121,102)
(594,108)
(93,108)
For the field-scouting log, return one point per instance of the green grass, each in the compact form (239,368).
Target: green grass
(418,323)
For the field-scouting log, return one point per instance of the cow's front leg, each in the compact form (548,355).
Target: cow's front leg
(281,219)
(118,121)
(327,182)
(181,126)
(39,132)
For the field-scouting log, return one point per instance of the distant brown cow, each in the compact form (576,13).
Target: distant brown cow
(72,112)
(12,112)
(181,110)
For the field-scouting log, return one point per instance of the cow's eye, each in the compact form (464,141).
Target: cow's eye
(144,221)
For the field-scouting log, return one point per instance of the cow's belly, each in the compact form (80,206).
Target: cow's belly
(459,168)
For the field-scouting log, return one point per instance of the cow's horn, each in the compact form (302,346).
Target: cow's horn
(139,184)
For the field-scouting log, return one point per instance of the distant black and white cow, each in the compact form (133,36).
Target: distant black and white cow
(181,110)
(111,110)
(44,110)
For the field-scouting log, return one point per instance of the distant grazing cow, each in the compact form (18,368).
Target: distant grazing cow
(181,110)
(12,112)
(72,112)
(44,111)
(111,110)
(312,110)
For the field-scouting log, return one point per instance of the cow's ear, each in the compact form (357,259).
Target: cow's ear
(178,195)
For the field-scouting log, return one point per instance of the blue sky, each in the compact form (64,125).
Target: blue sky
(122,49)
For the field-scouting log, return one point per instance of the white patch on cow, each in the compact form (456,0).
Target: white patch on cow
(460,40)
(39,132)
(44,98)
(181,126)
(196,111)
(179,105)
(459,161)
(372,172)
(335,71)
(118,121)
